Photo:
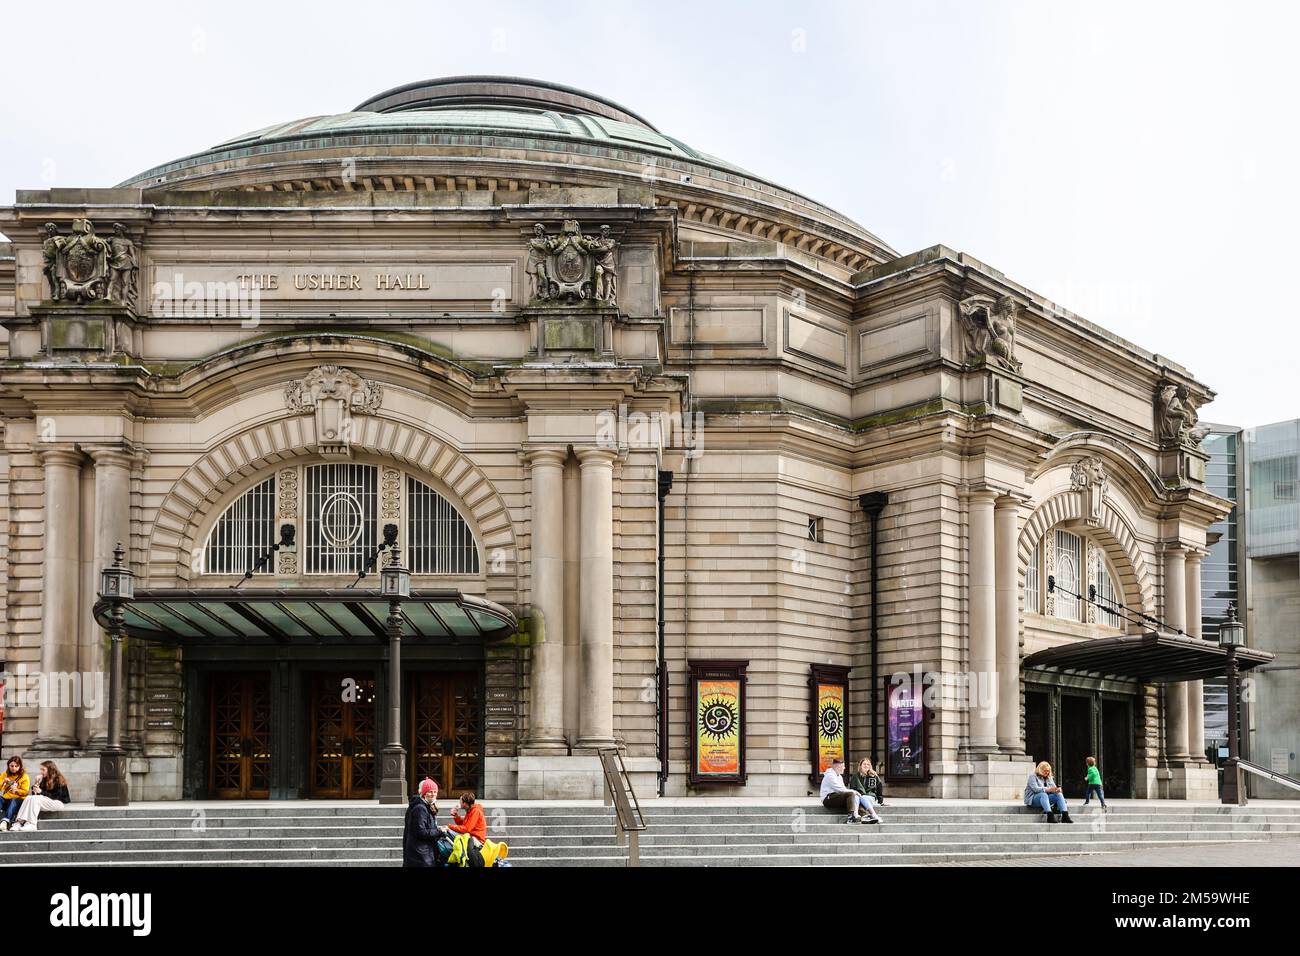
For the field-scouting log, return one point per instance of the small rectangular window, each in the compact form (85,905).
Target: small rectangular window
(1033,589)
(816,529)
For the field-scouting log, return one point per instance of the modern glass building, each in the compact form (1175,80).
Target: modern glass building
(1272,547)
(1221,581)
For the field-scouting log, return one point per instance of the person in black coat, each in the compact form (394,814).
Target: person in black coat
(420,835)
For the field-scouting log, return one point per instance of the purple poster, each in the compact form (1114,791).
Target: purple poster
(906,732)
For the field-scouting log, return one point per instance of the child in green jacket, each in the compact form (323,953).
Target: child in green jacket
(1094,783)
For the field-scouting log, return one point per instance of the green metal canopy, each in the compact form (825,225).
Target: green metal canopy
(1152,658)
(311,615)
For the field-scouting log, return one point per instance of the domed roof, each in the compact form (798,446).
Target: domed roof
(423,135)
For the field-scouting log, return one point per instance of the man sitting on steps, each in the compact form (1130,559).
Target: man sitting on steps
(836,796)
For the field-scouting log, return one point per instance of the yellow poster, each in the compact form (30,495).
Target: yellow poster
(830,724)
(717,727)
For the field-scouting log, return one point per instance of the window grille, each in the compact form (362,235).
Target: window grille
(1107,596)
(245,530)
(1033,586)
(341,504)
(438,540)
(1069,559)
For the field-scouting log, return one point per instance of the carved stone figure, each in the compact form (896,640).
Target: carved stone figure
(539,250)
(334,394)
(1176,415)
(991,330)
(51,248)
(573,267)
(605,250)
(124,266)
(1089,475)
(79,262)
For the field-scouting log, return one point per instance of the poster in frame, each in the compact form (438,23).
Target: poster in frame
(828,716)
(907,758)
(717,707)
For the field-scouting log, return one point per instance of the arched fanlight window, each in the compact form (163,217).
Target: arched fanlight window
(244,531)
(438,539)
(340,509)
(1075,561)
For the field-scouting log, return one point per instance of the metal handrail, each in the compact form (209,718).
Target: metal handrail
(628,819)
(1267,774)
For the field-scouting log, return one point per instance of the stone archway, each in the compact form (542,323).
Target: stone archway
(1113,532)
(237,459)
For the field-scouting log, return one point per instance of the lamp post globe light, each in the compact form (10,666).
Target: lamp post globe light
(1232,635)
(116,588)
(395,585)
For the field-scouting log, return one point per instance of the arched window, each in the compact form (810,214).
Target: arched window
(245,530)
(1076,562)
(340,510)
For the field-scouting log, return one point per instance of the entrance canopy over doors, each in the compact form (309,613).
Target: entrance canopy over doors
(312,615)
(1150,658)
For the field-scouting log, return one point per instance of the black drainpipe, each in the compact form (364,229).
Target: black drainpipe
(872,504)
(661,681)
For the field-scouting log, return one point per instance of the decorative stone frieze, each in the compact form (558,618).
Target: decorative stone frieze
(83,267)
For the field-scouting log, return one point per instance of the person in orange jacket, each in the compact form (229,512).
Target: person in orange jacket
(469,819)
(14,787)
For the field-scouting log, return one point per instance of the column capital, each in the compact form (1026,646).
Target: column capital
(66,454)
(595,456)
(1011,500)
(546,455)
(110,455)
(983,493)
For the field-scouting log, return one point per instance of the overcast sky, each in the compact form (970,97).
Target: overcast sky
(1133,161)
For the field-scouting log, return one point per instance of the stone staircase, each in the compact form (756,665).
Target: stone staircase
(681,833)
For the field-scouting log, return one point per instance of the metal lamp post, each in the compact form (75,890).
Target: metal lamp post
(116,587)
(394,584)
(1232,635)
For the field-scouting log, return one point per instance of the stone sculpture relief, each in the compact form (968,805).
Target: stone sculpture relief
(1176,418)
(83,267)
(1089,476)
(572,266)
(334,394)
(991,330)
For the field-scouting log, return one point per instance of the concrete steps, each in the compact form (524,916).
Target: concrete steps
(681,833)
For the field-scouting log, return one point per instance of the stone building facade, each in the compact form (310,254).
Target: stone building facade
(628,408)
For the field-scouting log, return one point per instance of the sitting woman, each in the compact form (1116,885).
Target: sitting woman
(867,782)
(1042,792)
(14,787)
(49,792)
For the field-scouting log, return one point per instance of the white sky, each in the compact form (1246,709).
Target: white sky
(1130,160)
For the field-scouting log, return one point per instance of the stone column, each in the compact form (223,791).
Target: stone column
(56,726)
(112,525)
(572,600)
(546,696)
(983,617)
(1195,688)
(1175,617)
(596,713)
(1006,520)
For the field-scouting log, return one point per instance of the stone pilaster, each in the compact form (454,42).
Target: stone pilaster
(546,700)
(112,526)
(1006,520)
(1175,612)
(56,725)
(983,617)
(597,600)
(1195,689)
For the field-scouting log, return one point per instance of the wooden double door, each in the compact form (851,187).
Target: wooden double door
(445,730)
(344,736)
(239,757)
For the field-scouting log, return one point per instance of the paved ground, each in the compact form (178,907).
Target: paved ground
(1271,853)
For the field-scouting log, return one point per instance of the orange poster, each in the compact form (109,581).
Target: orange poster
(830,724)
(717,727)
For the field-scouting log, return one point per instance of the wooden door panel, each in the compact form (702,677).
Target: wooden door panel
(240,737)
(446,730)
(343,726)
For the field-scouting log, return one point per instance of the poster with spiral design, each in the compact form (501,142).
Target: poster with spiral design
(717,728)
(830,725)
